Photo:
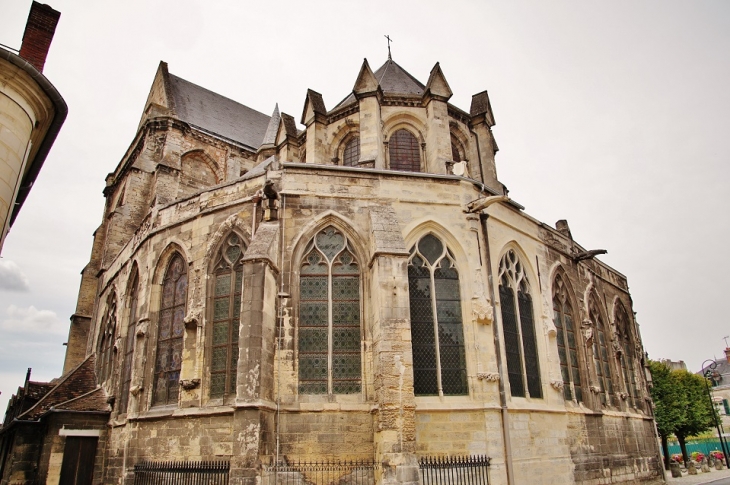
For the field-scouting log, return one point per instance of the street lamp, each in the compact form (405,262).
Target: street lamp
(707,371)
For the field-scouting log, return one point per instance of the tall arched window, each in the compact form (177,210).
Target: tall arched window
(170,332)
(567,342)
(523,368)
(329,316)
(437,335)
(600,352)
(106,339)
(404,152)
(129,344)
(226,301)
(627,355)
(351,153)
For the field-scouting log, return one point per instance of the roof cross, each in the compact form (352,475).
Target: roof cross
(389,41)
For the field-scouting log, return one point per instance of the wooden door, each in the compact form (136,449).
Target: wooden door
(78,460)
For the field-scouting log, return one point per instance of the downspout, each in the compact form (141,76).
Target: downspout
(498,355)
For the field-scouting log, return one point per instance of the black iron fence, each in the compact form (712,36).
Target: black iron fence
(458,470)
(360,472)
(182,473)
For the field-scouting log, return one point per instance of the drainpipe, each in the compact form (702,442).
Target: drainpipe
(498,355)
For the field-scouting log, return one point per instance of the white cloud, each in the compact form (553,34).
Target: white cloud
(12,277)
(31,321)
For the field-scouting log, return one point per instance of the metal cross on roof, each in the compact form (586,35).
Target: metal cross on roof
(389,41)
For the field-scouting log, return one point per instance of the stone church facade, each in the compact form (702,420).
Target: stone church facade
(360,289)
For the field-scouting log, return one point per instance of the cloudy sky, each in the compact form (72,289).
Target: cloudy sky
(614,115)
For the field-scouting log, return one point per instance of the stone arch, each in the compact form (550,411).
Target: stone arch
(406,121)
(527,262)
(319,222)
(173,246)
(232,223)
(417,229)
(200,167)
(342,137)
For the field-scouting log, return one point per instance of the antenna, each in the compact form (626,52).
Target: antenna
(389,41)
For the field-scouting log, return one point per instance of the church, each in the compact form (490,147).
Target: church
(356,288)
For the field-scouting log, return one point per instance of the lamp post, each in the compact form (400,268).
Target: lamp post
(707,373)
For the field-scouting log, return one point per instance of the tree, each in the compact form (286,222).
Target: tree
(669,403)
(699,415)
(681,405)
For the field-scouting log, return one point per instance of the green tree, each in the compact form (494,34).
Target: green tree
(670,407)
(699,411)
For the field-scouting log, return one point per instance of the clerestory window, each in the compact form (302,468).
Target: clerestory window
(129,345)
(351,153)
(170,332)
(627,356)
(329,339)
(226,301)
(437,335)
(567,342)
(106,339)
(404,152)
(600,353)
(518,326)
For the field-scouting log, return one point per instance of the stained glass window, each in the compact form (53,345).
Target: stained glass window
(627,356)
(437,335)
(351,154)
(518,326)
(404,152)
(226,302)
(329,316)
(600,353)
(567,346)
(129,345)
(106,339)
(170,332)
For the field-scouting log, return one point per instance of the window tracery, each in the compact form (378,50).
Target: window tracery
(404,152)
(627,355)
(170,332)
(523,368)
(329,316)
(567,341)
(226,314)
(129,345)
(437,335)
(600,353)
(106,340)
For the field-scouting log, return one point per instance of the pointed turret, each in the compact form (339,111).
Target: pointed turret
(437,86)
(270,135)
(366,83)
(160,101)
(435,97)
(314,117)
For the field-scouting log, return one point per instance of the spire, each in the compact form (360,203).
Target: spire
(270,136)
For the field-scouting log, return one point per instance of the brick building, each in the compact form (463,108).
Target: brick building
(360,289)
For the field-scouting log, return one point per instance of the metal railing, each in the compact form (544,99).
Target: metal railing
(182,473)
(360,472)
(457,470)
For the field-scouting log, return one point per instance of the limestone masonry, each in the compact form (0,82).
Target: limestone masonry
(362,289)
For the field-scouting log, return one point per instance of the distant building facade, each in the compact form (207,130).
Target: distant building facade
(361,289)
(31,113)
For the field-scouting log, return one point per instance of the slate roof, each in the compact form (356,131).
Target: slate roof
(217,114)
(394,81)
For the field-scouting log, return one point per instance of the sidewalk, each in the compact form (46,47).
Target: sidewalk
(698,479)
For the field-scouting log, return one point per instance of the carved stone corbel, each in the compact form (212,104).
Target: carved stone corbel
(136,390)
(192,320)
(488,376)
(189,384)
(586,327)
(557,384)
(482,310)
(142,327)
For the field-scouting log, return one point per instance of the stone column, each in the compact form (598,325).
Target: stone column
(255,407)
(395,432)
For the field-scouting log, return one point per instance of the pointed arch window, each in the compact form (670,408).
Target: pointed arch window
(106,340)
(567,342)
(523,368)
(226,302)
(627,355)
(170,332)
(329,316)
(129,344)
(351,153)
(437,335)
(404,152)
(600,353)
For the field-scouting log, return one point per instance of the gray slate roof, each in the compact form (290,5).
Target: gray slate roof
(217,114)
(393,80)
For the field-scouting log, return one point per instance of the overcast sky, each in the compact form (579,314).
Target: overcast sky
(614,115)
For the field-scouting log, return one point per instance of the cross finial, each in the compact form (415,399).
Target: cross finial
(725,338)
(389,41)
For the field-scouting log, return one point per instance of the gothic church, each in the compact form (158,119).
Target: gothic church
(362,289)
